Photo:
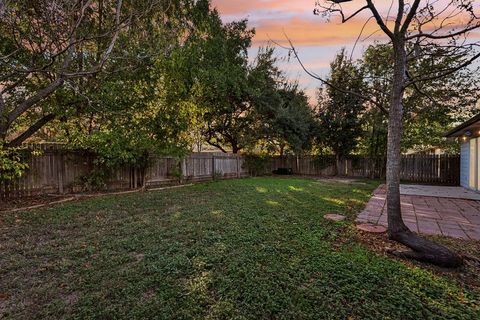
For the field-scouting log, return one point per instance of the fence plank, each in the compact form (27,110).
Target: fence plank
(59,171)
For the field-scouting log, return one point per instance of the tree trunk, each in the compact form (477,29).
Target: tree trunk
(422,249)
(235,148)
(338,164)
(395,129)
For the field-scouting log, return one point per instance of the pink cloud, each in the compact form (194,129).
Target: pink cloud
(317,38)
(248,6)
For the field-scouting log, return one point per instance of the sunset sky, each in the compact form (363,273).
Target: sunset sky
(316,39)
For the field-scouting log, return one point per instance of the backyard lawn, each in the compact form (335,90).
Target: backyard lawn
(255,248)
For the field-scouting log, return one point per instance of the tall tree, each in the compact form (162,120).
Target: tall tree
(46,43)
(339,114)
(417,25)
(142,107)
(283,113)
(220,86)
(428,113)
(288,125)
(376,67)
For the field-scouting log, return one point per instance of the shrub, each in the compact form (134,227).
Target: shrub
(257,164)
(13,162)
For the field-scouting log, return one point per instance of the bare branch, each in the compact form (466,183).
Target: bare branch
(443,36)
(411,14)
(342,15)
(379,19)
(445,73)
(420,91)
(108,51)
(398,20)
(328,83)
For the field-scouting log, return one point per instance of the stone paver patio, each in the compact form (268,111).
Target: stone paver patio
(457,218)
(439,191)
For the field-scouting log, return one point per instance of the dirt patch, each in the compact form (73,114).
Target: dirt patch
(342,180)
(334,217)
(33,202)
(373,228)
(12,204)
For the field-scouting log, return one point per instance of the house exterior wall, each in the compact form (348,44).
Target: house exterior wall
(465,164)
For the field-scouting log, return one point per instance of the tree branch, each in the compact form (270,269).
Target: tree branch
(443,36)
(446,73)
(379,20)
(31,130)
(417,88)
(344,19)
(356,94)
(43,93)
(411,14)
(25,105)
(216,145)
(398,20)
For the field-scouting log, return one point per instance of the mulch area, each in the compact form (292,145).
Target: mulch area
(467,276)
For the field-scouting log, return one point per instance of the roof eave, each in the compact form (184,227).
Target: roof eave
(453,132)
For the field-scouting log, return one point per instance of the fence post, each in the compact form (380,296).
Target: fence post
(183,169)
(134,178)
(238,166)
(213,167)
(61,169)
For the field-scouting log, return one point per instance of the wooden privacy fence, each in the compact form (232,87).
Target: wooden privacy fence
(56,171)
(440,169)
(419,168)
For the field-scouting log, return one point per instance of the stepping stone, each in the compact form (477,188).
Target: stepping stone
(368,227)
(334,217)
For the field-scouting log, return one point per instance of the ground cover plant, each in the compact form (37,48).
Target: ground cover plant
(251,248)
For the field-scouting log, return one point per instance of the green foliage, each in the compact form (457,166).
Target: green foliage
(255,248)
(339,113)
(430,109)
(34,36)
(257,164)
(137,104)
(376,65)
(349,125)
(176,78)
(240,103)
(288,122)
(13,162)
(142,109)
(221,87)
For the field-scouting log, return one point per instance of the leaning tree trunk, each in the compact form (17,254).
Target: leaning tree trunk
(422,249)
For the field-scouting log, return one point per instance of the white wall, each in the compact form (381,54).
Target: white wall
(464,164)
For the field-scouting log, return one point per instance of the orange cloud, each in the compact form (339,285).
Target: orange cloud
(273,18)
(288,6)
(311,32)
(248,6)
(276,19)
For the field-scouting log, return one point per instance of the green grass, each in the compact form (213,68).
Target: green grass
(239,249)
